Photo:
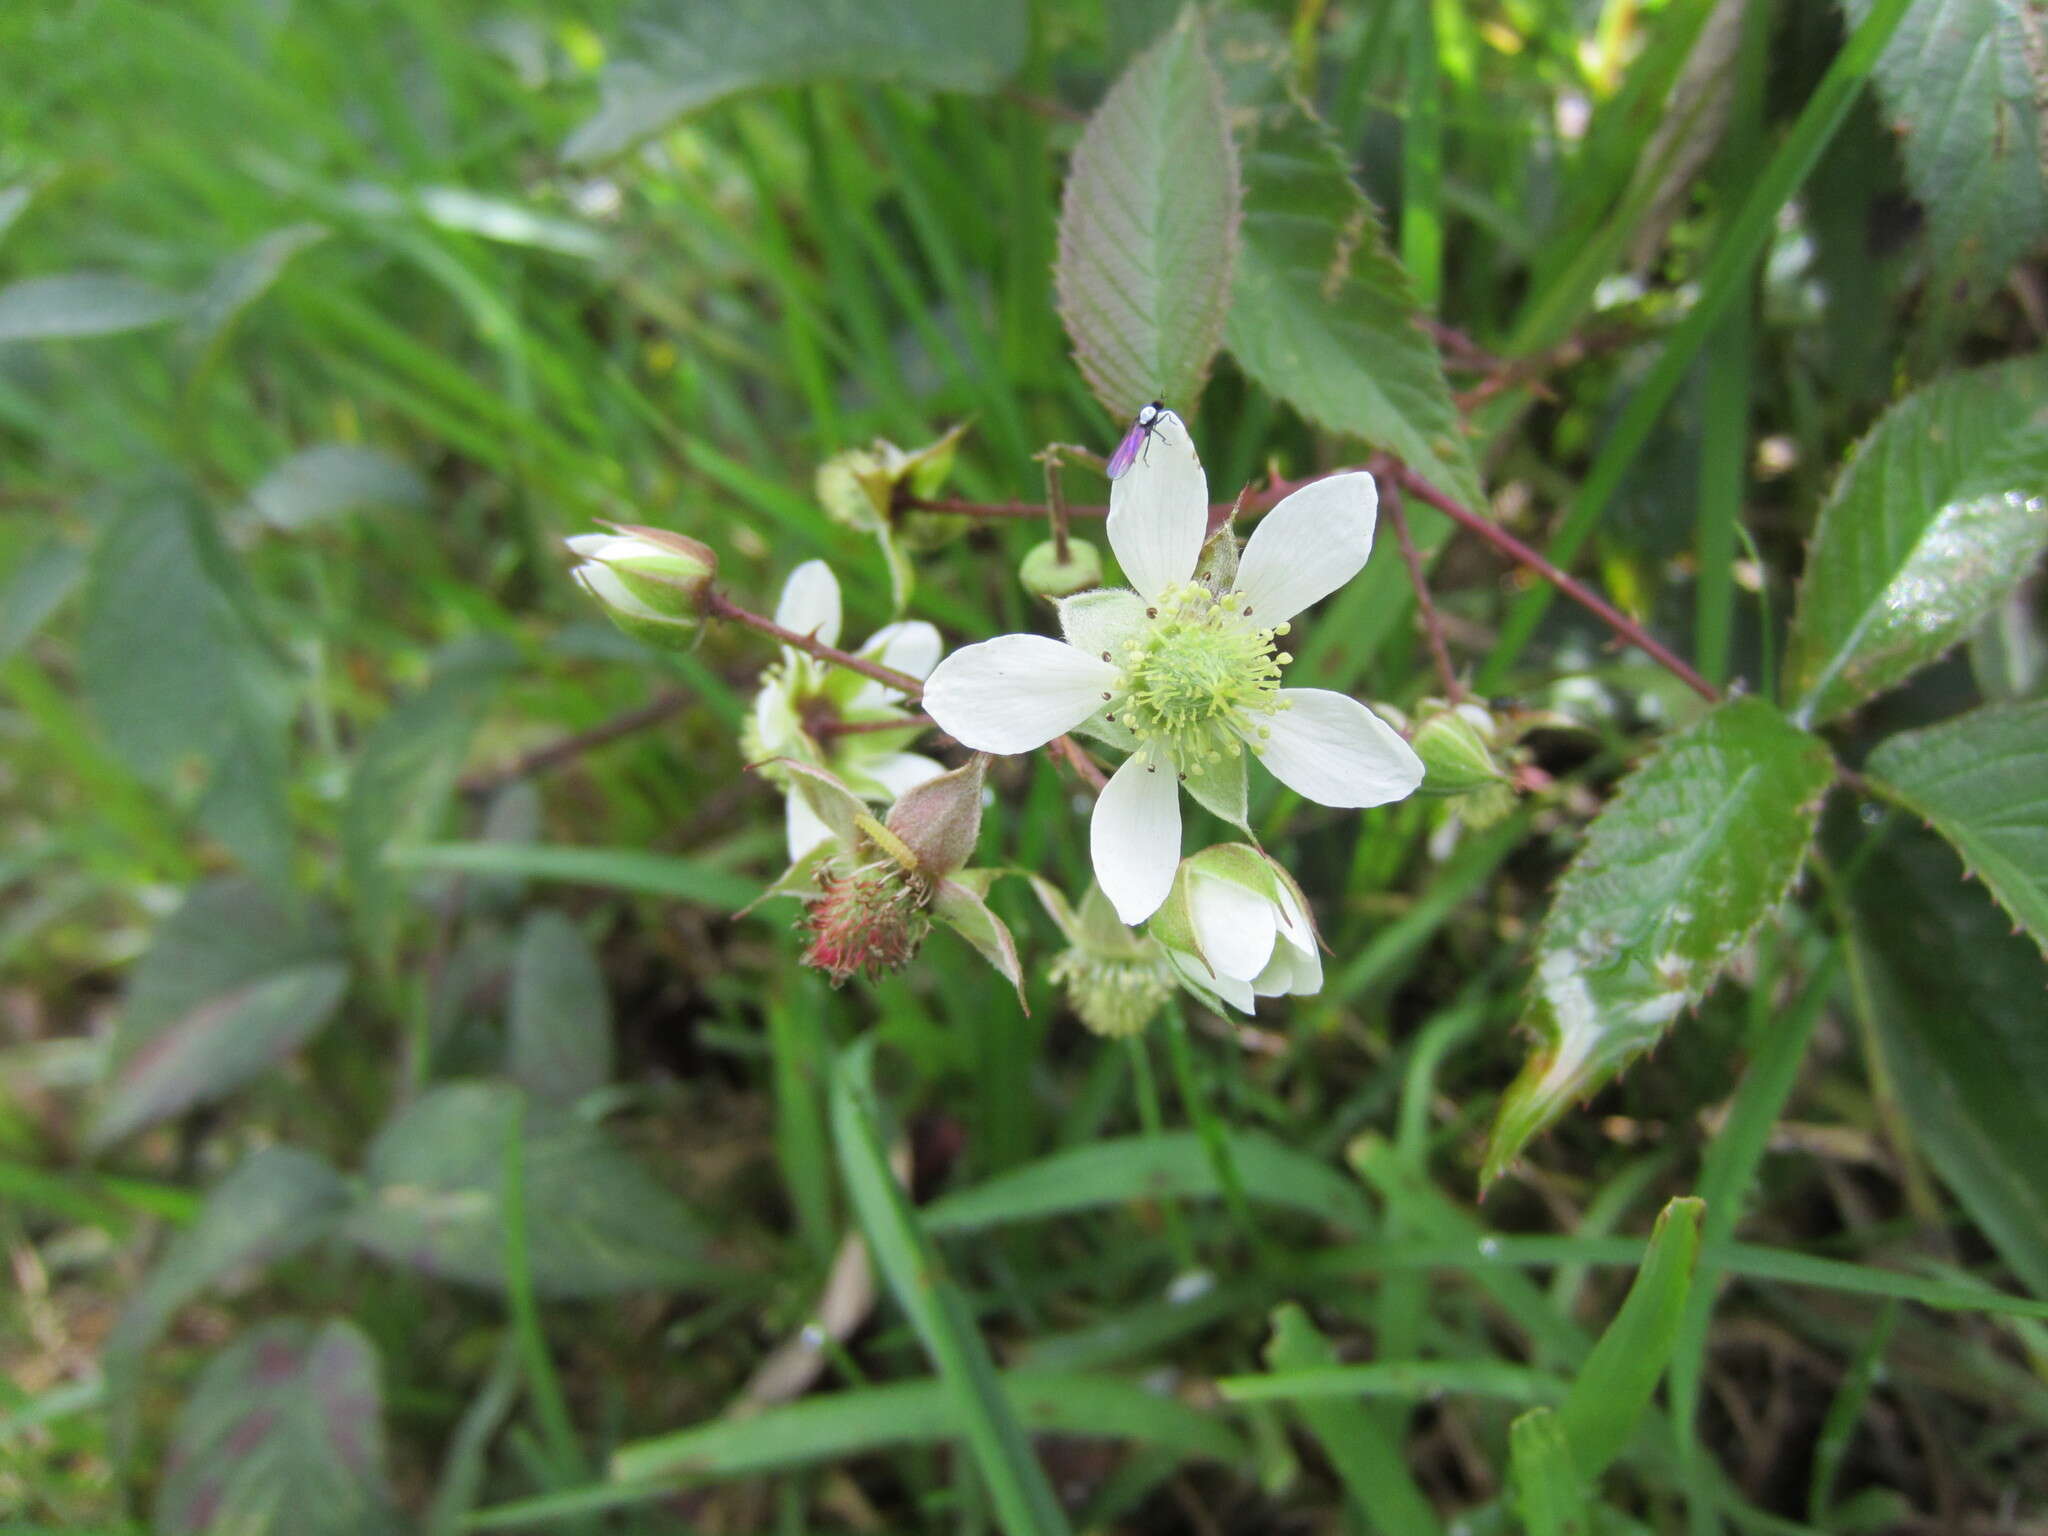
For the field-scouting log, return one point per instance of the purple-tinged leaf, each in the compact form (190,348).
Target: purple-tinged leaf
(282,1437)
(233,982)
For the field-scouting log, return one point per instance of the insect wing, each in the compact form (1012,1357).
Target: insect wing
(1126,452)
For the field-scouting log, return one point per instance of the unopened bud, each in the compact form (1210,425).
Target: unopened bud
(1456,748)
(1044,574)
(652,582)
(940,819)
(1235,926)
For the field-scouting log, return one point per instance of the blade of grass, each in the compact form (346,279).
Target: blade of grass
(1728,272)
(549,1405)
(1613,1387)
(1549,1491)
(1407,1379)
(1422,160)
(623,869)
(1732,1160)
(1130,1168)
(1366,1454)
(917,1277)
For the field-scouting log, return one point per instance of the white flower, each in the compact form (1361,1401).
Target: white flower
(1236,927)
(803,699)
(1184,674)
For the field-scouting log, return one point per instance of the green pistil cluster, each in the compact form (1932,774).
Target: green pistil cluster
(1115,998)
(1197,674)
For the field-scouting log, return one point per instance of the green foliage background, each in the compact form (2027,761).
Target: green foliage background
(398,1131)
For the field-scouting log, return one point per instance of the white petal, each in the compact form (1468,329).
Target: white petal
(810,602)
(595,546)
(1335,751)
(1232,991)
(1134,836)
(1290,971)
(602,583)
(910,645)
(1015,692)
(775,722)
(1159,511)
(899,771)
(804,827)
(1308,546)
(1233,925)
(1102,620)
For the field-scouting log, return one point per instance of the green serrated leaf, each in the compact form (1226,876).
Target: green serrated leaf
(166,668)
(1956,85)
(1321,312)
(561,1014)
(598,1223)
(1982,780)
(232,982)
(672,59)
(403,778)
(282,1437)
(1938,514)
(1956,1001)
(1696,850)
(276,1202)
(1149,228)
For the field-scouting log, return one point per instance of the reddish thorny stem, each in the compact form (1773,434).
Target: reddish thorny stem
(1388,468)
(1398,476)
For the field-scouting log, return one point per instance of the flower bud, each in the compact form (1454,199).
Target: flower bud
(940,819)
(1044,574)
(1236,927)
(1456,747)
(652,582)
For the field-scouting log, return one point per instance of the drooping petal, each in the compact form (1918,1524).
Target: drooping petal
(1102,620)
(1159,511)
(1134,835)
(1015,692)
(1335,751)
(1290,971)
(810,602)
(899,771)
(1207,985)
(805,828)
(1233,925)
(1308,547)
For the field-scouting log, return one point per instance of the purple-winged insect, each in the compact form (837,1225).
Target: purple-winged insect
(1143,425)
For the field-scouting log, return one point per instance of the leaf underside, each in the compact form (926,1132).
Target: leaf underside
(1149,229)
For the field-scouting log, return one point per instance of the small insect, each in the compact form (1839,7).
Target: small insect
(1148,420)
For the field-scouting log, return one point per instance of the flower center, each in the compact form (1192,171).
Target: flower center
(1191,675)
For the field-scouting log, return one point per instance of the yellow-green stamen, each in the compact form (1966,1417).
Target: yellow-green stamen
(1197,674)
